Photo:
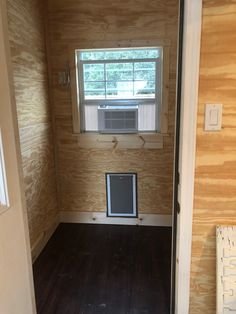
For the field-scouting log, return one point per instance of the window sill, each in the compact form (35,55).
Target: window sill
(121,141)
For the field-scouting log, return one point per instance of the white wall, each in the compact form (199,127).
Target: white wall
(16,283)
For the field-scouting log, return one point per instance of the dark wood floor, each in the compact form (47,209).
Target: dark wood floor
(87,269)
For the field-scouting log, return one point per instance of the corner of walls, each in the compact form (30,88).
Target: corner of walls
(51,101)
(43,239)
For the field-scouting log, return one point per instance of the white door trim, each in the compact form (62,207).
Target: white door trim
(16,274)
(187,151)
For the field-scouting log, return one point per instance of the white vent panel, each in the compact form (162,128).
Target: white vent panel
(147,117)
(91,118)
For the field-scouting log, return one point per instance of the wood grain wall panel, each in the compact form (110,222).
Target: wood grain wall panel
(83,178)
(215,182)
(82,167)
(27,40)
(39,177)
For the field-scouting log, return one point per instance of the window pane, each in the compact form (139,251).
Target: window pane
(111,88)
(119,71)
(120,54)
(93,72)
(92,55)
(120,90)
(93,90)
(93,95)
(144,89)
(145,71)
(145,53)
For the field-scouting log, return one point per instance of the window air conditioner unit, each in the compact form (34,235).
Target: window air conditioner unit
(118,118)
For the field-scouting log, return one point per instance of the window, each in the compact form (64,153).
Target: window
(120,77)
(3,183)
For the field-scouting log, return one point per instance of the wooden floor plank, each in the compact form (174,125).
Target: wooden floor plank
(107,269)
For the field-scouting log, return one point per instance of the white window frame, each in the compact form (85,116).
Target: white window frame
(158,85)
(74,79)
(157,100)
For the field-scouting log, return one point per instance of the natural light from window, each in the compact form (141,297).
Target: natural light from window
(125,74)
(120,76)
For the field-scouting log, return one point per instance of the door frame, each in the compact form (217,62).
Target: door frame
(16,287)
(186,151)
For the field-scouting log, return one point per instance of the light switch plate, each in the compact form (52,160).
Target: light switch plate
(213,117)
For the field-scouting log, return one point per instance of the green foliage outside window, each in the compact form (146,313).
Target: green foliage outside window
(119,80)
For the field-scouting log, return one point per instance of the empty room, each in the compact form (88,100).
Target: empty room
(117,157)
(95,90)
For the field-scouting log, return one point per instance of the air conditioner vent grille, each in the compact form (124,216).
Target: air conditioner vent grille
(118,119)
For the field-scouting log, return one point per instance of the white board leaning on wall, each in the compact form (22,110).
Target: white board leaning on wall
(226,269)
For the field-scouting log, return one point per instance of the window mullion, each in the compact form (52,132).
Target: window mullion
(105,80)
(119,60)
(133,79)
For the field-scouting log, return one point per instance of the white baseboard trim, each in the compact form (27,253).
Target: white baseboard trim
(42,240)
(101,218)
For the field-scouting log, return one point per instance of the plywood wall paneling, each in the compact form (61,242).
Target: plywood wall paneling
(39,180)
(215,183)
(27,40)
(82,163)
(84,171)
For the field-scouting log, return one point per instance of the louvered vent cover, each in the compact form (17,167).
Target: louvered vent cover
(118,119)
(121,194)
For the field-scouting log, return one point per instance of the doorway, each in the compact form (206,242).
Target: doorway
(145,161)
